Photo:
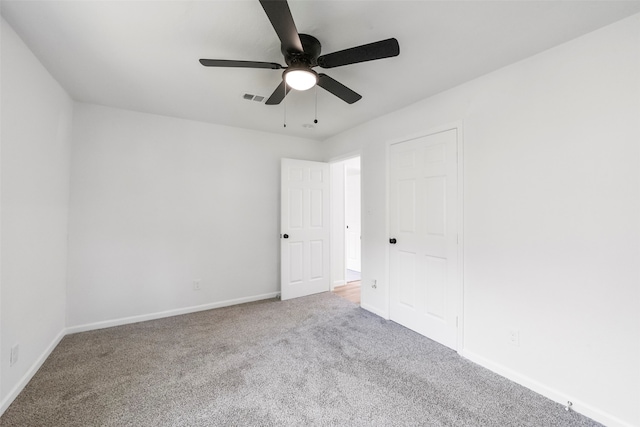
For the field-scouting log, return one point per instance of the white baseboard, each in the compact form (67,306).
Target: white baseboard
(30,373)
(375,310)
(548,392)
(337,283)
(168,313)
(116,322)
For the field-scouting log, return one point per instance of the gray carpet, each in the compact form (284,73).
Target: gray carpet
(319,360)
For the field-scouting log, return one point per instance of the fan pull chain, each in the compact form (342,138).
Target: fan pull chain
(316,117)
(284,101)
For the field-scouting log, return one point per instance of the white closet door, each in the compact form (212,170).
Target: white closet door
(423,222)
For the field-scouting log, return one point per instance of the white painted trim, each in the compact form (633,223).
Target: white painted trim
(31,372)
(168,313)
(340,159)
(546,391)
(117,322)
(337,283)
(374,310)
(333,238)
(427,132)
(387,216)
(346,156)
(460,167)
(458,126)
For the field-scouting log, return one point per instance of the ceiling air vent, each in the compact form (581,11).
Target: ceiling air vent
(250,97)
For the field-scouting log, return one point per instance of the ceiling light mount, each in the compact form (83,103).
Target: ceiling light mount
(299,75)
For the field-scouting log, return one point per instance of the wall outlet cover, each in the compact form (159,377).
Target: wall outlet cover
(514,337)
(15,350)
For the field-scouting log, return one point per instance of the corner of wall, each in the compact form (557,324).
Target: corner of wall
(36,126)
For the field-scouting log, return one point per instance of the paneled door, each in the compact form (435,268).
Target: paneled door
(423,187)
(304,238)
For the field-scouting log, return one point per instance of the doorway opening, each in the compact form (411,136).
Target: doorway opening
(346,228)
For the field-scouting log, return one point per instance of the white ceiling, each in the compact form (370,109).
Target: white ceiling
(143,55)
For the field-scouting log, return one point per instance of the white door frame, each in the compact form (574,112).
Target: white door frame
(310,188)
(458,126)
(352,240)
(332,162)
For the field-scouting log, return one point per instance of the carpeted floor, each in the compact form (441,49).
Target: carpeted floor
(318,360)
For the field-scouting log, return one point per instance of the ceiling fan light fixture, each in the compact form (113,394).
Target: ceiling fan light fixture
(300,78)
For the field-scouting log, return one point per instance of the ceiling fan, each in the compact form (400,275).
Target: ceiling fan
(302,53)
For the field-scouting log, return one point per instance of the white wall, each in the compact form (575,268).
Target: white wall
(36,140)
(551,205)
(158,202)
(551,217)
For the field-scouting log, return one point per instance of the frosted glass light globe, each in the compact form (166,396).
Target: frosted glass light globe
(300,79)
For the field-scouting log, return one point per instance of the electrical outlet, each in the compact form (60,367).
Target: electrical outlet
(14,355)
(374,283)
(514,337)
(196,284)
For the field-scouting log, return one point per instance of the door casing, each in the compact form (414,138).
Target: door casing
(458,126)
(304,229)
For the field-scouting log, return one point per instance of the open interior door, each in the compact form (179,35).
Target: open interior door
(304,238)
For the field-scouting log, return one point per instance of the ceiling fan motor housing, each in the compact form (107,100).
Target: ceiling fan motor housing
(308,58)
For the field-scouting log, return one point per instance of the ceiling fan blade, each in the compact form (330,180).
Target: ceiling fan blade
(239,64)
(279,14)
(338,89)
(278,95)
(367,52)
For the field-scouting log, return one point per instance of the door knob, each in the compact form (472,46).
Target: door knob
(393,241)
(286,236)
